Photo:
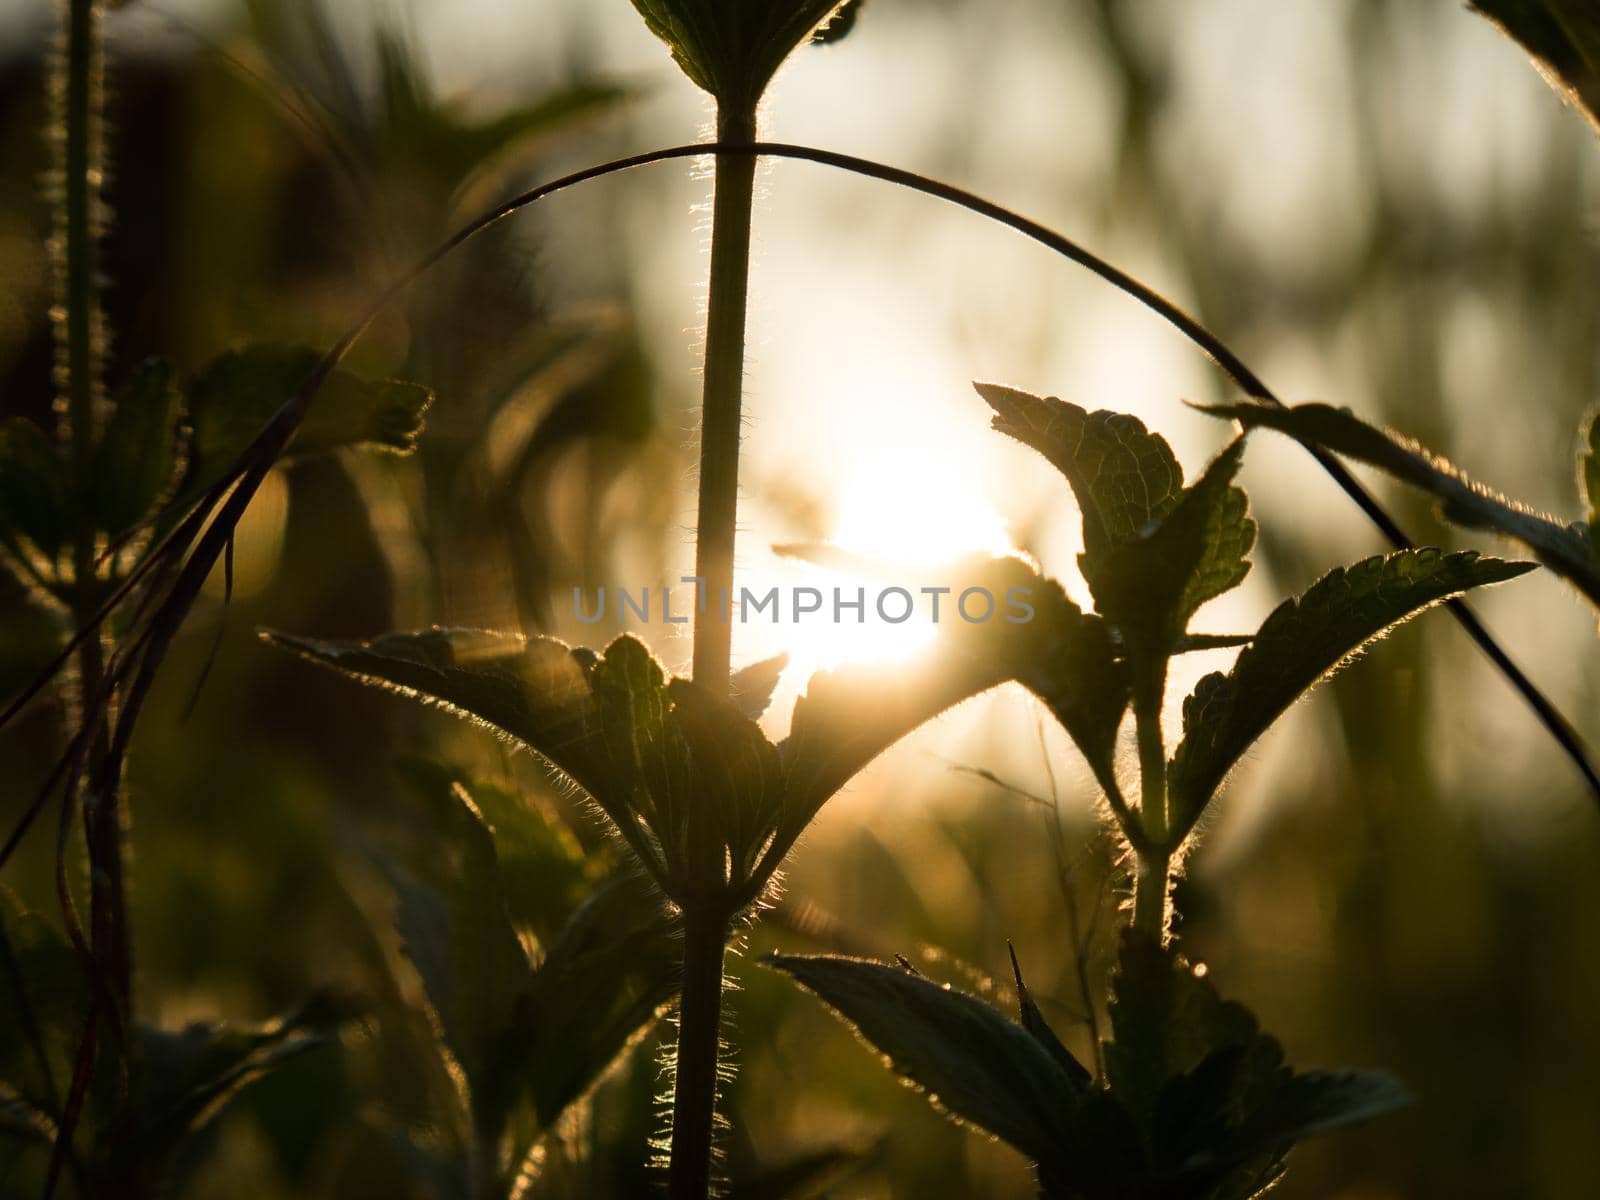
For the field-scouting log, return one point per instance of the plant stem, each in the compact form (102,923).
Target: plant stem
(78,329)
(723,398)
(694,1094)
(1155,856)
(1150,886)
(80,334)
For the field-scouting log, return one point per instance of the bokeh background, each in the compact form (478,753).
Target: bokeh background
(1377,202)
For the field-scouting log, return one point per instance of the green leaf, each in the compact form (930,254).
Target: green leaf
(1125,478)
(1563,36)
(1167,1020)
(1302,642)
(1068,659)
(548,1032)
(1567,550)
(687,779)
(810,1176)
(974,1063)
(33,490)
(44,1000)
(544,872)
(1203,1081)
(1077,669)
(840,26)
(138,452)
(1151,585)
(535,691)
(733,48)
(237,395)
(457,931)
(187,1078)
(752,687)
(849,716)
(1322,1102)
(738,781)
(1039,1029)
(472,143)
(643,741)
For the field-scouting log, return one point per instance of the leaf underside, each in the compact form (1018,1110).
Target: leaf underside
(1568,550)
(1198,1103)
(1563,37)
(733,48)
(1302,642)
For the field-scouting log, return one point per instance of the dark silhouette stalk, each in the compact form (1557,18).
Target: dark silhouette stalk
(694,1081)
(723,399)
(694,1093)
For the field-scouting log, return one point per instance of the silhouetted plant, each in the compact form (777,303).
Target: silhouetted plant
(1195,1101)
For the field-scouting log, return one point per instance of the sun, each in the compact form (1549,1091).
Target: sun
(916,509)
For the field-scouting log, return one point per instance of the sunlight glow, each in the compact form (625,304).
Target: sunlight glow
(909,512)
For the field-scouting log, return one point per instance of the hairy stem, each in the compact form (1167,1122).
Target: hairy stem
(1151,883)
(80,336)
(694,1093)
(78,141)
(723,399)
(1155,855)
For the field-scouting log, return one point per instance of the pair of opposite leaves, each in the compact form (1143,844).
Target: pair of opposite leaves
(705,799)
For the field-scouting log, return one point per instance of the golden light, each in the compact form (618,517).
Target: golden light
(920,508)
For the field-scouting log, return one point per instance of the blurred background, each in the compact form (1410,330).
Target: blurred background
(1377,202)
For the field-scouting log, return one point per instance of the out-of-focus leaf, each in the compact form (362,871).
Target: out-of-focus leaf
(1303,641)
(1591,483)
(546,1033)
(188,1077)
(816,1174)
(1191,643)
(235,397)
(457,931)
(138,451)
(43,1002)
(605,978)
(1563,36)
(733,48)
(1568,550)
(543,870)
(973,1062)
(33,489)
(476,142)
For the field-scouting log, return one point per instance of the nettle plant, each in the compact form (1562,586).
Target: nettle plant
(708,807)
(119,521)
(1194,1100)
